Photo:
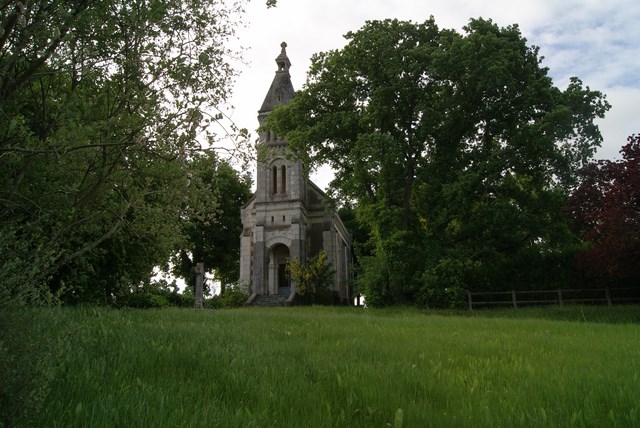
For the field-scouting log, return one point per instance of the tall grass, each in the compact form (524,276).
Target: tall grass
(30,359)
(339,367)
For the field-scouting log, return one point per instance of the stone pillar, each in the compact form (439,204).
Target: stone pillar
(259,259)
(259,267)
(329,247)
(339,267)
(245,256)
(297,249)
(271,286)
(199,282)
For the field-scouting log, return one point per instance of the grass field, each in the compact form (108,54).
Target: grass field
(342,367)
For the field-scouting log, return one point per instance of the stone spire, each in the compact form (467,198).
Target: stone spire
(281,90)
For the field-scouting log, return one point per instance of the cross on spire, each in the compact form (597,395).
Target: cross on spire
(281,90)
(282,60)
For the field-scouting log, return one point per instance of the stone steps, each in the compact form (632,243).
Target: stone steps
(271,300)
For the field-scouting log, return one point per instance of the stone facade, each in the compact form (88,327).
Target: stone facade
(288,217)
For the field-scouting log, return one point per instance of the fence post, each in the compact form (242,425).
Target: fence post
(560,297)
(513,296)
(469,299)
(607,291)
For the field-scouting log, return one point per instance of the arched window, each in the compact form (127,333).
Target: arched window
(274,182)
(283,178)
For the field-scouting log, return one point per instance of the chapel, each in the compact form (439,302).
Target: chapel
(288,217)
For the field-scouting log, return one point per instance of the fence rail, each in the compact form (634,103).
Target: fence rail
(608,296)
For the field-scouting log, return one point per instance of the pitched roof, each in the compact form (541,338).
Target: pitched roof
(281,90)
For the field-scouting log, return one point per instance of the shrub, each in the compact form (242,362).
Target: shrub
(234,296)
(372,277)
(313,278)
(444,285)
(145,300)
(213,302)
(182,300)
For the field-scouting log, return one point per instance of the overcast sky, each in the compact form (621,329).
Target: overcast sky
(597,41)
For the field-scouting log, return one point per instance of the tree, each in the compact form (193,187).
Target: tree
(211,224)
(102,105)
(457,149)
(312,278)
(605,213)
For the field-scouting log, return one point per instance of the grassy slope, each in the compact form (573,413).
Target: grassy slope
(328,367)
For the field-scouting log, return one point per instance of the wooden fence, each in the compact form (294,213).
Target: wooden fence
(608,296)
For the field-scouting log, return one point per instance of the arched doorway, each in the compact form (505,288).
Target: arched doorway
(279,279)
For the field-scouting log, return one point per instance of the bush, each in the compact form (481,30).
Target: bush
(313,278)
(144,300)
(444,285)
(184,300)
(373,279)
(234,296)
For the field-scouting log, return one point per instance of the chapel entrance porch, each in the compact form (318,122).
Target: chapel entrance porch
(279,278)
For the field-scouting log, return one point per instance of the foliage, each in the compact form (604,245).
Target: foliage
(363,365)
(180,300)
(27,367)
(605,213)
(102,106)
(312,278)
(212,224)
(455,150)
(360,240)
(371,278)
(234,296)
(145,300)
(444,284)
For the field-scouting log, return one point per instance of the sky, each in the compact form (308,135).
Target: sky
(597,41)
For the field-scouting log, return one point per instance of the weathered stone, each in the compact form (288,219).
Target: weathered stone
(288,217)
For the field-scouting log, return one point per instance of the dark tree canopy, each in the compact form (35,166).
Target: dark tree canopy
(457,150)
(605,212)
(102,104)
(212,233)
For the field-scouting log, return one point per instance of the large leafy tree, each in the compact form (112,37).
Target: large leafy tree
(605,213)
(102,104)
(457,149)
(211,223)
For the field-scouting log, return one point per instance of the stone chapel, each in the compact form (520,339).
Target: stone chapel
(288,216)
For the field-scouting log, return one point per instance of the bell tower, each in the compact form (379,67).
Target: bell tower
(288,217)
(280,217)
(278,178)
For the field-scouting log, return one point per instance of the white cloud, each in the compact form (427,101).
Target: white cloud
(621,121)
(595,41)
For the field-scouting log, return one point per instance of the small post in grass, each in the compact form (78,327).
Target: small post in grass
(199,281)
(513,297)
(560,297)
(607,291)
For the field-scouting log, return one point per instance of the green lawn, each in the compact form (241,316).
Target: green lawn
(342,367)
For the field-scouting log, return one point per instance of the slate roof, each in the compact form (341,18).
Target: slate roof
(281,90)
